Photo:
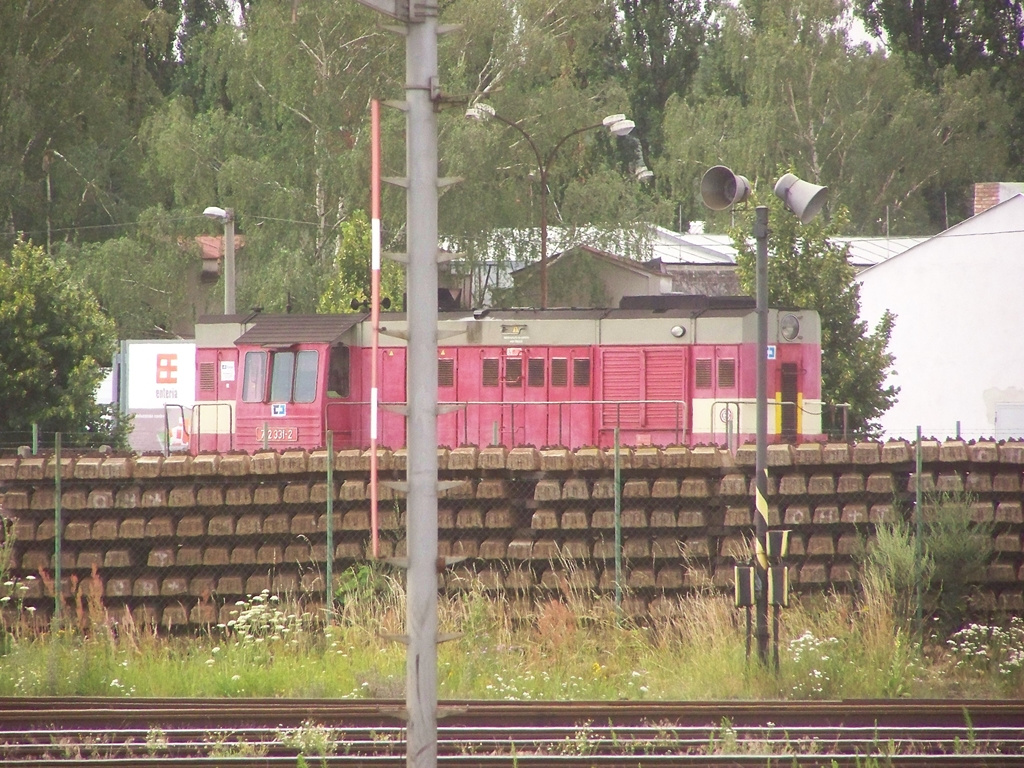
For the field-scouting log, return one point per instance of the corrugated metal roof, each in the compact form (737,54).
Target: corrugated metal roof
(298,329)
(868,251)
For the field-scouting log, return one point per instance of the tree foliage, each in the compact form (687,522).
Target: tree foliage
(350,280)
(808,271)
(54,342)
(786,88)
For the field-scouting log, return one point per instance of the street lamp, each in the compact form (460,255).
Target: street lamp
(617,125)
(227,217)
(720,188)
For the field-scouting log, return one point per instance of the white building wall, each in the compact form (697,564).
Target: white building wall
(959,332)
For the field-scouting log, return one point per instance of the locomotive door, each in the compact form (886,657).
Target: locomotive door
(665,407)
(391,383)
(341,413)
(788,391)
(449,434)
(513,421)
(569,394)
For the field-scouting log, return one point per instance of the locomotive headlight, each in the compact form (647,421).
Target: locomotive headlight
(789,327)
(678,331)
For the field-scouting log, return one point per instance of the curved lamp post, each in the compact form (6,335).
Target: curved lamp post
(617,125)
(227,217)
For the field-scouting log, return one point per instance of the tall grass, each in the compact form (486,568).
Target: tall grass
(574,645)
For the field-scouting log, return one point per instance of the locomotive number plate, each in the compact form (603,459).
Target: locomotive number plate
(278,434)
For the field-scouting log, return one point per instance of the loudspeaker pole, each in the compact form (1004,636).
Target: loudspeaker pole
(760,466)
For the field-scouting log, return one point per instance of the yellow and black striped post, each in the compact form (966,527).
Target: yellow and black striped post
(760,467)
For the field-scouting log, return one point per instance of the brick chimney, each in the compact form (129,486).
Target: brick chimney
(990,193)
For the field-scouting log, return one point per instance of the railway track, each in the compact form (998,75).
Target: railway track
(108,732)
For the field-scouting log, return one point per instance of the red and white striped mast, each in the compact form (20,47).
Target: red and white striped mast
(374,311)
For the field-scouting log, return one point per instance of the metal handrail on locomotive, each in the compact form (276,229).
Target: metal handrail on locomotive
(670,370)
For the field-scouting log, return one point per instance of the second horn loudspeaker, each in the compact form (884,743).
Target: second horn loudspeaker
(801,197)
(721,188)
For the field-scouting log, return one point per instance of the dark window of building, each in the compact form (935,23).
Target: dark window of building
(559,372)
(207,377)
(535,371)
(281,374)
(581,372)
(254,377)
(726,373)
(513,372)
(446,372)
(490,372)
(702,379)
(338,373)
(306,363)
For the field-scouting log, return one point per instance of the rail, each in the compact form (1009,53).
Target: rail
(163,732)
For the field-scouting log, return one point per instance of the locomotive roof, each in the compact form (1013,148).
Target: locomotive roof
(297,329)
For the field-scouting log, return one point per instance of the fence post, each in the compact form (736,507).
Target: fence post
(618,528)
(329,586)
(35,439)
(918,544)
(58,597)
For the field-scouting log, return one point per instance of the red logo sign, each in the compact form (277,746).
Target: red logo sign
(166,369)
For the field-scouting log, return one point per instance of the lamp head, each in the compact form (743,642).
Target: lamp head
(213,212)
(619,125)
(480,111)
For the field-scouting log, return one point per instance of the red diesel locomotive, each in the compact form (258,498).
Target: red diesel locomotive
(668,370)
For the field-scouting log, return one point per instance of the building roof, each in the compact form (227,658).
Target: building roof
(618,261)
(974,226)
(271,330)
(701,248)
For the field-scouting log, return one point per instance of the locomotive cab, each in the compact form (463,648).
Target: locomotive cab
(297,378)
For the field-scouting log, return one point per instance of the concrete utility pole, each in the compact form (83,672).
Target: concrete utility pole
(421,89)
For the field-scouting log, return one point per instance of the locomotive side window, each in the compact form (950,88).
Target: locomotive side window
(446,372)
(254,377)
(514,372)
(306,363)
(281,377)
(559,372)
(337,373)
(581,372)
(535,372)
(490,372)
(702,377)
(726,373)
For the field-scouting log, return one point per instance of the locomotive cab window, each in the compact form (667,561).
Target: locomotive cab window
(293,376)
(337,372)
(306,363)
(254,377)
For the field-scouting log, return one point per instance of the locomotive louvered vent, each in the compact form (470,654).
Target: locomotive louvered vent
(207,377)
(726,373)
(702,379)
(581,372)
(559,372)
(446,372)
(514,372)
(535,368)
(490,372)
